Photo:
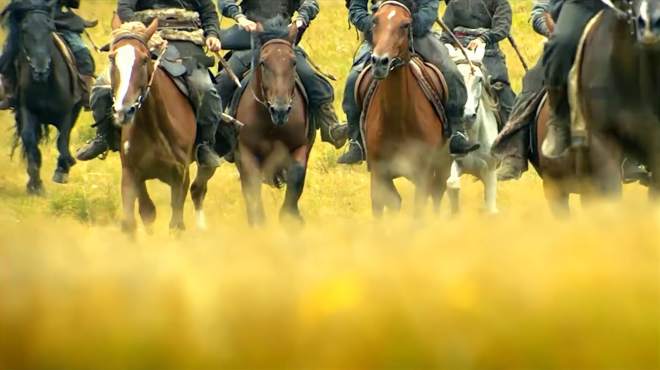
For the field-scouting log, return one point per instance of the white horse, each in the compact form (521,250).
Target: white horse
(481,121)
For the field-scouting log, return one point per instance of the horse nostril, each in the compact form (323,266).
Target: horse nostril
(272,110)
(385,61)
(288,109)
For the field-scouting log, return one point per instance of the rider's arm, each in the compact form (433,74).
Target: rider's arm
(501,25)
(230,8)
(126,10)
(538,18)
(359,15)
(425,16)
(308,10)
(209,17)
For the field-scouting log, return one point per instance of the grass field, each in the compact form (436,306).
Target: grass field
(517,291)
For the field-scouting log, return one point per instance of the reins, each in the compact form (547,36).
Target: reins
(266,103)
(398,61)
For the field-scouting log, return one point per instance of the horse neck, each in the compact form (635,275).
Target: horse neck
(394,92)
(153,113)
(486,125)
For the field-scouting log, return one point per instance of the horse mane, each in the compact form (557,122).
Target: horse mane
(276,28)
(410,4)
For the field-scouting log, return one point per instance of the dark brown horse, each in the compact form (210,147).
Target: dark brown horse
(619,90)
(157,125)
(275,143)
(402,131)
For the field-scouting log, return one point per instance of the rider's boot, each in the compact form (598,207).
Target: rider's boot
(87,84)
(206,155)
(459,143)
(105,139)
(558,137)
(353,155)
(331,131)
(515,156)
(99,144)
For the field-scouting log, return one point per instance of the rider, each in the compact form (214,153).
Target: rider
(558,58)
(514,148)
(237,38)
(479,23)
(68,25)
(432,50)
(205,97)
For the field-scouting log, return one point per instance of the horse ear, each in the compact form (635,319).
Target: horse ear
(293,33)
(116,22)
(153,27)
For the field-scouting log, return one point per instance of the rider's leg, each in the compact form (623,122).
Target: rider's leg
(355,153)
(84,62)
(107,136)
(434,51)
(558,58)
(514,149)
(239,63)
(321,96)
(208,106)
(499,77)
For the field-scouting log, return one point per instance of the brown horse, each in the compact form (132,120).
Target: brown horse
(403,132)
(591,172)
(157,125)
(276,140)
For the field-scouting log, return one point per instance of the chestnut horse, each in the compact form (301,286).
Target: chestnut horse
(157,125)
(402,131)
(275,142)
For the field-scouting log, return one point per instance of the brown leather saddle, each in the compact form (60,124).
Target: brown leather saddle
(69,58)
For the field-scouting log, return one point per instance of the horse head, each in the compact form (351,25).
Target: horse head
(35,22)
(473,76)
(275,65)
(391,36)
(647,16)
(131,68)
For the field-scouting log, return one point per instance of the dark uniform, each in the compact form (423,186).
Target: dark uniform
(319,91)
(203,93)
(558,58)
(68,25)
(426,44)
(489,20)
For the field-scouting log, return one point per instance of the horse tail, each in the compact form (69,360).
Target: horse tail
(43,133)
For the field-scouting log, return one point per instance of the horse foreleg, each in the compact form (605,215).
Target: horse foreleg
(179,188)
(295,183)
(383,193)
(489,179)
(251,187)
(65,160)
(129,191)
(147,208)
(422,191)
(454,185)
(557,198)
(30,134)
(198,194)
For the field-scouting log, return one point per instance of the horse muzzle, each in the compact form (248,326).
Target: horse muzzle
(381,66)
(124,116)
(41,74)
(279,114)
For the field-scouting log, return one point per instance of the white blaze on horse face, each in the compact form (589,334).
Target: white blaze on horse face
(124,60)
(391,15)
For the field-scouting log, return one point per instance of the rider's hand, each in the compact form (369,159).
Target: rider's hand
(476,43)
(213,44)
(299,23)
(246,24)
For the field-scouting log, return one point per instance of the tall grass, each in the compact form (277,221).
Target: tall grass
(517,291)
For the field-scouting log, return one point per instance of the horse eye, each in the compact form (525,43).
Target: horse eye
(405,26)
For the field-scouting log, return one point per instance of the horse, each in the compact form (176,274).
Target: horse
(481,119)
(402,130)
(47,91)
(618,90)
(276,140)
(157,123)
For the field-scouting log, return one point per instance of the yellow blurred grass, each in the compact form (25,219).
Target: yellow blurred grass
(517,291)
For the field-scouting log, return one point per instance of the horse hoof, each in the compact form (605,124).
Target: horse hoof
(60,177)
(35,189)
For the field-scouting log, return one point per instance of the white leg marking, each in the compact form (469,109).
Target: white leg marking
(200,217)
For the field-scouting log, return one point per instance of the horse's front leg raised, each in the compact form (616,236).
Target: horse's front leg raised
(179,188)
(295,183)
(30,135)
(65,160)
(129,191)
(251,187)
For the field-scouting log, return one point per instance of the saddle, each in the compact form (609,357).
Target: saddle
(430,79)
(69,58)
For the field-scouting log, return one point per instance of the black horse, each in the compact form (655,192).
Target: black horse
(621,81)
(46,89)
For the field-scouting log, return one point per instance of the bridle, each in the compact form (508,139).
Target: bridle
(146,91)
(266,103)
(398,61)
(43,10)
